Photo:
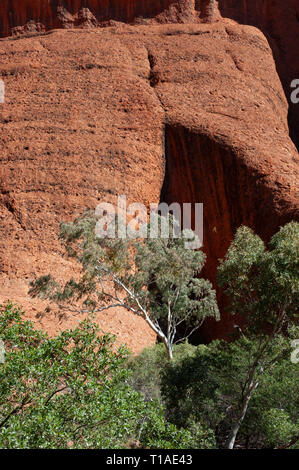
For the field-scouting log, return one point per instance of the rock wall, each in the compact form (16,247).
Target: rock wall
(226,115)
(79,126)
(49,14)
(92,114)
(278,20)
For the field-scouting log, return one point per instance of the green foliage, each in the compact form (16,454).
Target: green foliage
(190,390)
(70,391)
(263,284)
(145,372)
(276,397)
(244,392)
(208,386)
(160,434)
(263,287)
(149,376)
(278,427)
(167,275)
(146,368)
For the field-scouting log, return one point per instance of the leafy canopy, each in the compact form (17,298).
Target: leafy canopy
(208,388)
(261,284)
(263,288)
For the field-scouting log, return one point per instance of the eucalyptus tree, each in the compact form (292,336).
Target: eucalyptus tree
(155,277)
(263,287)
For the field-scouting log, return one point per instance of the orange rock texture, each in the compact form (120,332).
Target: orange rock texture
(278,20)
(192,111)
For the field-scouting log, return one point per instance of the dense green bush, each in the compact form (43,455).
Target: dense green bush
(208,387)
(151,373)
(146,368)
(162,434)
(202,387)
(190,390)
(72,391)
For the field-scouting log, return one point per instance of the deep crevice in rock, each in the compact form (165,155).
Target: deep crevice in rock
(202,170)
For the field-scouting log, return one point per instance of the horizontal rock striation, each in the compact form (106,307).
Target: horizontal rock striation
(178,112)
(279,21)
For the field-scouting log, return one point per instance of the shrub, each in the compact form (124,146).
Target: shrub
(148,366)
(71,391)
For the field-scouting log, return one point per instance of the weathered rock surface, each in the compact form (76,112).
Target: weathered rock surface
(278,20)
(80,124)
(96,113)
(227,141)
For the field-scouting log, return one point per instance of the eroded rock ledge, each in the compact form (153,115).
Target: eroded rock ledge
(20,16)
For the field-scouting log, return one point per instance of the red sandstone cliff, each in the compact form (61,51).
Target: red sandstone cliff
(278,20)
(90,114)
(85,118)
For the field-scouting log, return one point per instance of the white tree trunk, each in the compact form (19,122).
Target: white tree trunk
(170,352)
(235,429)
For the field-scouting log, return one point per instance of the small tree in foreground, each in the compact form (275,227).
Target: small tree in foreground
(263,286)
(155,278)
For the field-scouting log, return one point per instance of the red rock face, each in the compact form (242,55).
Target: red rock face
(233,192)
(86,118)
(91,114)
(80,125)
(226,115)
(279,21)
